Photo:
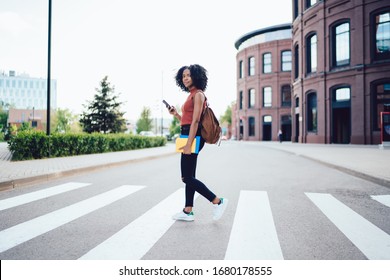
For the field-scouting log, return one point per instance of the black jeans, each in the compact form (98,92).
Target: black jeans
(188,171)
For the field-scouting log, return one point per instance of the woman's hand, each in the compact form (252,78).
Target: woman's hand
(186,149)
(172,110)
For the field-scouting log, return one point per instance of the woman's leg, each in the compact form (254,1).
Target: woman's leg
(188,170)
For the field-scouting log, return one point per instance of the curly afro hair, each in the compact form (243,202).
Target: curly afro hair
(198,76)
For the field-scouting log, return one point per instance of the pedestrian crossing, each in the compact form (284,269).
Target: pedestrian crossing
(28,230)
(250,239)
(371,240)
(37,195)
(136,239)
(253,234)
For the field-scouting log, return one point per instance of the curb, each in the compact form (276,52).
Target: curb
(359,174)
(11,184)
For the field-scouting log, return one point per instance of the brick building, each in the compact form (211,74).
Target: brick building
(264,62)
(340,75)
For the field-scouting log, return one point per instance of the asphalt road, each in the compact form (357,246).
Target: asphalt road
(281,206)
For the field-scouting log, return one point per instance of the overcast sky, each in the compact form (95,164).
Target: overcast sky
(137,44)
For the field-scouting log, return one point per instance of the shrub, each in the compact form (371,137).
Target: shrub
(31,144)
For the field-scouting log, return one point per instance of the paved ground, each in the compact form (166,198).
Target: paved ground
(365,161)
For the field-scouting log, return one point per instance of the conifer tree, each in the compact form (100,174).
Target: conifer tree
(103,113)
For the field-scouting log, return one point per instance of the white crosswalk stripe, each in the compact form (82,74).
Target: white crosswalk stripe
(37,195)
(253,235)
(136,239)
(371,240)
(23,232)
(384,199)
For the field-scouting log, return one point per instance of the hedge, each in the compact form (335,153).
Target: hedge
(37,145)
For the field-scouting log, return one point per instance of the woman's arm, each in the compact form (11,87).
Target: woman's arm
(198,108)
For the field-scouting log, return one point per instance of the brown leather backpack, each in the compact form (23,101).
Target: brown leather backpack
(211,131)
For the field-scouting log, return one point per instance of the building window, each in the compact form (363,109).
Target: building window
(251,66)
(312,112)
(310,3)
(251,98)
(296,62)
(286,96)
(267,119)
(381,33)
(381,98)
(267,63)
(295,7)
(241,70)
(341,44)
(286,61)
(311,59)
(342,94)
(267,97)
(241,100)
(251,123)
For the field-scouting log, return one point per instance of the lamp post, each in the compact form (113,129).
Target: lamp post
(48,71)
(162,97)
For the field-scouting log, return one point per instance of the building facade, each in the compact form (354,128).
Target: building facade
(340,74)
(264,64)
(341,70)
(24,92)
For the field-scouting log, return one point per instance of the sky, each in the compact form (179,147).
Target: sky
(139,45)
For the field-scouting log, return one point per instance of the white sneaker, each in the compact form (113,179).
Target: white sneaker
(219,209)
(181,216)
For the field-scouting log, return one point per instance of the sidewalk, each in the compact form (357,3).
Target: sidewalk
(17,173)
(364,161)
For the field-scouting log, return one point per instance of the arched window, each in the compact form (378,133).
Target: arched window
(309,3)
(241,69)
(267,97)
(286,96)
(251,124)
(380,22)
(340,44)
(312,112)
(296,62)
(311,53)
(241,100)
(251,66)
(251,98)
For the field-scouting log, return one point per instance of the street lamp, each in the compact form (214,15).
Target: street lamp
(48,71)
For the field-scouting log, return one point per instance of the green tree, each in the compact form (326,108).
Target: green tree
(227,117)
(103,113)
(65,121)
(144,123)
(175,125)
(3,118)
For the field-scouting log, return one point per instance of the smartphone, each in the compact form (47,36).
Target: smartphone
(166,104)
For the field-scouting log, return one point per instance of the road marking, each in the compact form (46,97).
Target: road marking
(384,199)
(253,235)
(371,240)
(137,238)
(37,195)
(23,232)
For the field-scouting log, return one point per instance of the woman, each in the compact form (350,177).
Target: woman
(193,79)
